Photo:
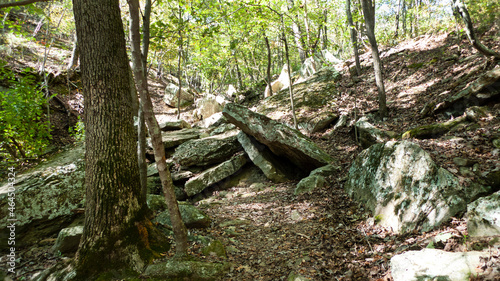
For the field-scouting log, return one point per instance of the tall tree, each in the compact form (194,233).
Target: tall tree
(354,35)
(116,233)
(178,226)
(369,14)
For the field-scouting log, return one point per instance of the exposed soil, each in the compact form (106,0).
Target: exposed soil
(324,235)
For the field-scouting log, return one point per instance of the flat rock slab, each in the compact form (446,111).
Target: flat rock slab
(263,158)
(215,174)
(432,264)
(281,139)
(207,151)
(175,138)
(174,125)
(186,270)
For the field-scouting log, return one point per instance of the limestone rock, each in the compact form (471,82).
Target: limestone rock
(198,183)
(206,151)
(369,134)
(483,216)
(175,138)
(318,123)
(282,82)
(325,171)
(174,125)
(431,264)
(296,277)
(309,183)
(282,140)
(215,248)
(186,270)
(171,94)
(50,191)
(206,107)
(68,240)
(191,216)
(260,155)
(401,185)
(156,202)
(214,120)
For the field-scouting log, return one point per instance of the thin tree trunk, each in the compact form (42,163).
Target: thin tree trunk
(178,226)
(268,70)
(398,14)
(179,65)
(459,9)
(369,14)
(404,8)
(297,34)
(75,55)
(290,88)
(354,35)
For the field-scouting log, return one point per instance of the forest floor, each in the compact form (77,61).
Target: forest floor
(269,233)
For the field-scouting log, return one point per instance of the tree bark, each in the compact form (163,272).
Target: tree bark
(369,14)
(354,35)
(179,65)
(297,34)
(115,236)
(268,70)
(20,3)
(459,9)
(180,231)
(290,88)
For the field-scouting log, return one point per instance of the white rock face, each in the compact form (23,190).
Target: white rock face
(401,185)
(432,264)
(483,216)
(282,82)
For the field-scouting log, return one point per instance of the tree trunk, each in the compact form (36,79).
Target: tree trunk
(75,55)
(398,14)
(404,8)
(268,70)
(178,226)
(459,9)
(179,65)
(369,14)
(290,88)
(113,236)
(297,34)
(354,35)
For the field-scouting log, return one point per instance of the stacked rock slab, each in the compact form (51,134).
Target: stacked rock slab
(263,158)
(282,140)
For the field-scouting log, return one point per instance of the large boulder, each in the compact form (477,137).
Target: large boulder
(213,175)
(281,139)
(260,155)
(207,106)
(431,264)
(282,82)
(483,216)
(209,150)
(48,195)
(405,189)
(171,94)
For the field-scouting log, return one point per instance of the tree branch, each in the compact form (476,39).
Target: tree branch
(20,3)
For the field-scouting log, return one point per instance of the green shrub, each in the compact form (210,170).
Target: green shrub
(23,131)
